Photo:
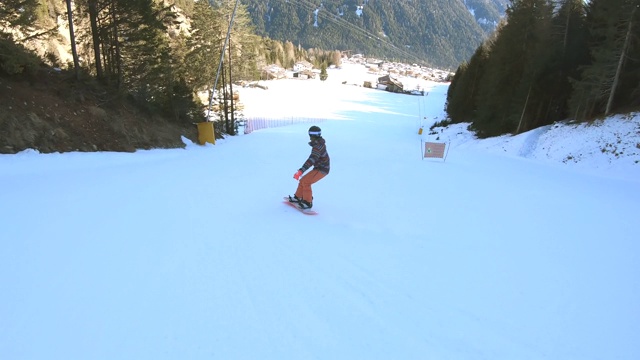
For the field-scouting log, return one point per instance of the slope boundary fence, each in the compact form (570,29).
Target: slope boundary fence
(258,123)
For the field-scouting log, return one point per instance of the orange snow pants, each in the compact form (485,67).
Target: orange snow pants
(304,186)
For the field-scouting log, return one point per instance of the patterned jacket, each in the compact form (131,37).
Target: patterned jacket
(319,157)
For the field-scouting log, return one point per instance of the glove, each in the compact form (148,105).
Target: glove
(297,175)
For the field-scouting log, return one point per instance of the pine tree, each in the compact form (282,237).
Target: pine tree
(510,86)
(204,45)
(134,55)
(323,72)
(289,55)
(18,13)
(92,7)
(14,57)
(611,77)
(241,45)
(127,40)
(568,54)
(462,95)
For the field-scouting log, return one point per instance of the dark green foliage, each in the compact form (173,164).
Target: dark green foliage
(138,58)
(611,79)
(323,72)
(320,58)
(543,66)
(487,12)
(462,95)
(144,53)
(515,62)
(182,105)
(569,53)
(15,59)
(202,47)
(18,13)
(240,62)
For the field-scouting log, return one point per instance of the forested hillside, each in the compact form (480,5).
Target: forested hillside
(487,12)
(440,33)
(551,61)
(127,74)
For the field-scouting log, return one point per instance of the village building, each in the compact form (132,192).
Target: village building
(390,84)
(302,66)
(305,74)
(272,72)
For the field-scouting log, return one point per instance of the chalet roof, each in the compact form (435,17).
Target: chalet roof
(304,63)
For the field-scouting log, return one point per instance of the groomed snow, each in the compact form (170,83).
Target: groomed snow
(517,247)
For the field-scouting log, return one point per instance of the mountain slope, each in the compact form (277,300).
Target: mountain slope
(441,33)
(486,12)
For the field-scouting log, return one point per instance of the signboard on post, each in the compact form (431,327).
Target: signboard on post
(434,150)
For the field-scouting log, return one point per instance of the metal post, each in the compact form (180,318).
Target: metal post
(224,47)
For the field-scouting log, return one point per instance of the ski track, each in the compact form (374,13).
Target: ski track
(497,253)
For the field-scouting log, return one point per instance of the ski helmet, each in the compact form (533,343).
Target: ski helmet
(315,131)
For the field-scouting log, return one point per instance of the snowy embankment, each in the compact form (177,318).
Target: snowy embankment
(609,147)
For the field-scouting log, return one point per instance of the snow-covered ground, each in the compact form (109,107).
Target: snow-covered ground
(520,247)
(609,147)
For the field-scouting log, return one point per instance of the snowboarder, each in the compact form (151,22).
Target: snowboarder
(319,159)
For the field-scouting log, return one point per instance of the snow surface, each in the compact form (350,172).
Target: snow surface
(517,247)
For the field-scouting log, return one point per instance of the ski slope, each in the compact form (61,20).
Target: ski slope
(501,252)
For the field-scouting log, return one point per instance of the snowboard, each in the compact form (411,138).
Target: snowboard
(293,205)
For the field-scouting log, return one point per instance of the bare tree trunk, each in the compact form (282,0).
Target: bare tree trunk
(222,52)
(116,45)
(223,106)
(72,38)
(616,79)
(93,19)
(524,110)
(566,31)
(233,120)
